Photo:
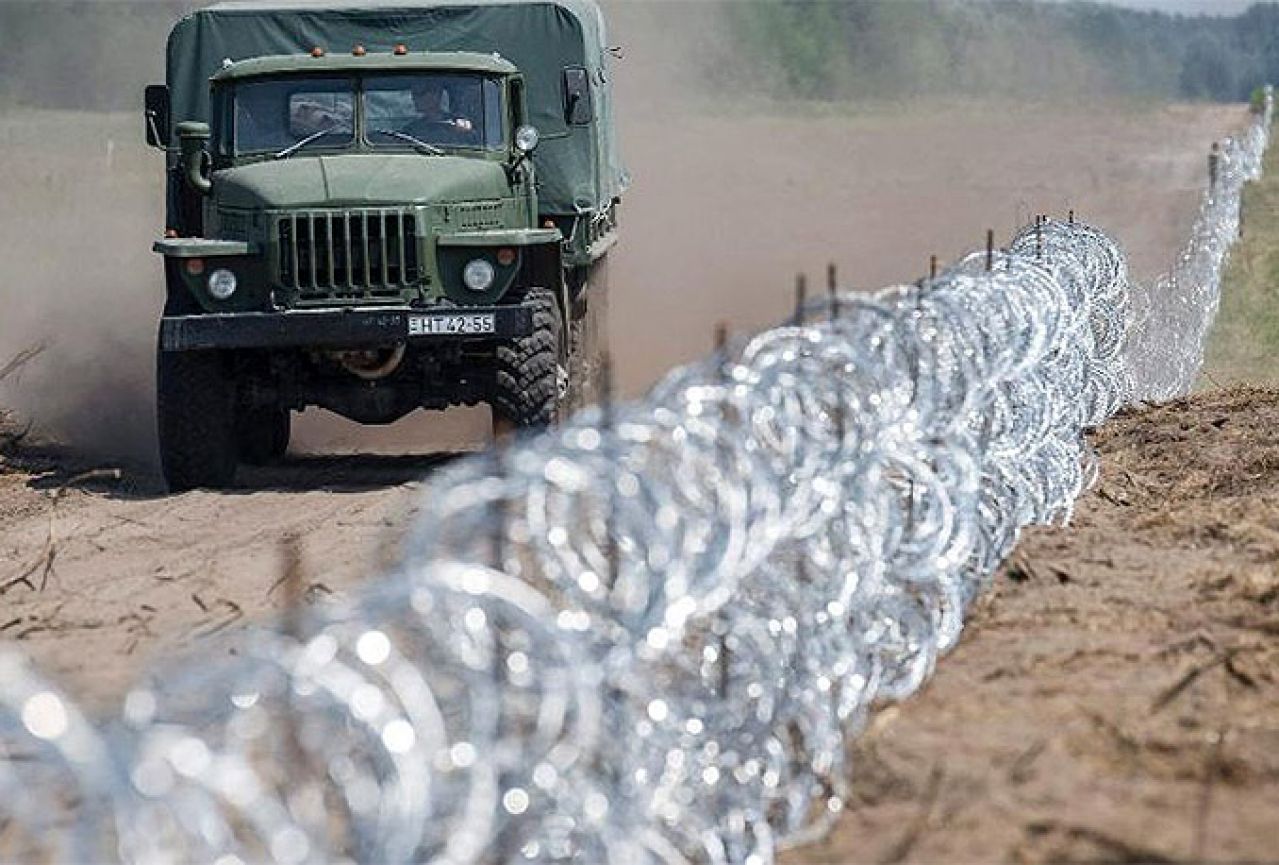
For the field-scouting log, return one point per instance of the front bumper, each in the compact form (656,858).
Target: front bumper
(356,327)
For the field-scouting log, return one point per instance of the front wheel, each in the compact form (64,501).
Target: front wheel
(195,409)
(531,373)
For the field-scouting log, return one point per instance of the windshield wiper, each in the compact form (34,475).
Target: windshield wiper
(418,143)
(315,136)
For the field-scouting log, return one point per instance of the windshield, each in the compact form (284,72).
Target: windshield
(277,115)
(442,110)
(425,111)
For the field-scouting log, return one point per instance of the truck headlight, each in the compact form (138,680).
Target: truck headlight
(526,139)
(478,275)
(222,284)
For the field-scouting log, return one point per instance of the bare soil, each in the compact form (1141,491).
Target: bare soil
(1041,738)
(99,572)
(723,212)
(1116,697)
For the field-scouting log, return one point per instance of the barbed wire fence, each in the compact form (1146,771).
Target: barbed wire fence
(1172,315)
(649,634)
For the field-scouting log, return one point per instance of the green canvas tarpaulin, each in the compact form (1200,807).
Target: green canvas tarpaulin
(578,167)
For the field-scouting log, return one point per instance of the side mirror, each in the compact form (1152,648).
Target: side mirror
(156,115)
(578,107)
(193,139)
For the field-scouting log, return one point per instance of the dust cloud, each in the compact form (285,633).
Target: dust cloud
(80,205)
(731,197)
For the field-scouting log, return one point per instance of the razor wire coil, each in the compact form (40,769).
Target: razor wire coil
(648,635)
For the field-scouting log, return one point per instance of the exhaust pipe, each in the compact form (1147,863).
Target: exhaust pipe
(193,138)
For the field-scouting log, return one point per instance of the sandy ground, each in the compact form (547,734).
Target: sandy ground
(97,574)
(722,213)
(101,573)
(1116,697)
(725,213)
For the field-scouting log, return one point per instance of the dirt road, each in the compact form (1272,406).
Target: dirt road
(1077,719)
(100,574)
(722,213)
(1116,697)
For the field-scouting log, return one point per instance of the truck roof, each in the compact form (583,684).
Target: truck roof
(381,61)
(579,168)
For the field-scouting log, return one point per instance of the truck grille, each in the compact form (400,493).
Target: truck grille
(359,253)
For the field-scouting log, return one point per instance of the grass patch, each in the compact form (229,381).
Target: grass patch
(1244,343)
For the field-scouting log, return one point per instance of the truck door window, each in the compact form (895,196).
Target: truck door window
(494,139)
(274,115)
(443,110)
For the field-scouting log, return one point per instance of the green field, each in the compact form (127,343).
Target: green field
(1244,345)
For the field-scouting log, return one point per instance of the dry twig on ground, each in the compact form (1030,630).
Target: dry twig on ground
(49,553)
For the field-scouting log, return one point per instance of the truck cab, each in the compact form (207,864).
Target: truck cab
(379,229)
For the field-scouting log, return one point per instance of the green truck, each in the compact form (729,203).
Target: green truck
(378,207)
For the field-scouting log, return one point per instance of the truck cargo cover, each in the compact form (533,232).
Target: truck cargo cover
(578,167)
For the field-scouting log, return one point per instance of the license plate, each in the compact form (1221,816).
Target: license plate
(453,323)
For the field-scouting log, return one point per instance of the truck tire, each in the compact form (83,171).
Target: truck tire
(531,372)
(195,408)
(262,434)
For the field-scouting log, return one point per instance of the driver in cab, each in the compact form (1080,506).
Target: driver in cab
(436,122)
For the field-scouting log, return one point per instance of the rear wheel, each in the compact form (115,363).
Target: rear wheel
(531,373)
(195,408)
(262,434)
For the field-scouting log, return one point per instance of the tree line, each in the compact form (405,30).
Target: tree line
(842,49)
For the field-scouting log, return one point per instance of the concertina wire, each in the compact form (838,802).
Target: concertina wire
(648,635)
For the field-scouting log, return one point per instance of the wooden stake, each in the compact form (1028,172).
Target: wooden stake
(801,298)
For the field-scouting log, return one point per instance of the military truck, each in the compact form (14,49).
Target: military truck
(374,208)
